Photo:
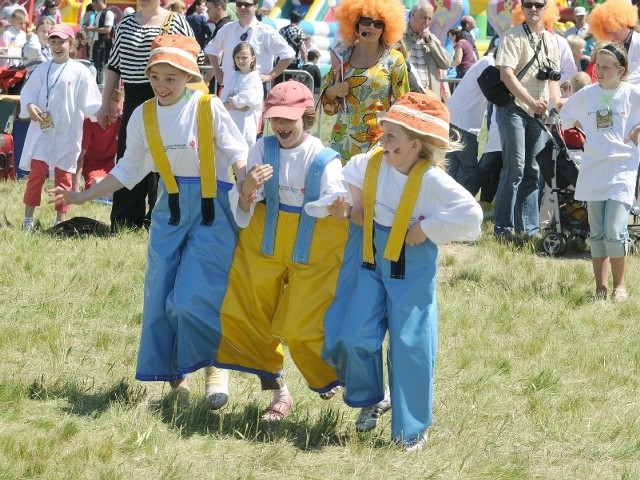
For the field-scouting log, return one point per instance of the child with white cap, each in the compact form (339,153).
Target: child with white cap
(57,96)
(292,213)
(407,205)
(191,141)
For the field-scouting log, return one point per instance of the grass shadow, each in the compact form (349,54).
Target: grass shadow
(81,397)
(303,429)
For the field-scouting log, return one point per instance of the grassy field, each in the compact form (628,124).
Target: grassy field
(535,380)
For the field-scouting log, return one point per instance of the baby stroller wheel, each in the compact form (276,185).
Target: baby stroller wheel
(555,243)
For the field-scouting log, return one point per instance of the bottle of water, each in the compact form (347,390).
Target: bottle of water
(92,69)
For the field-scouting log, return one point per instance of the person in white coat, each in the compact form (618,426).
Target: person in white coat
(56,97)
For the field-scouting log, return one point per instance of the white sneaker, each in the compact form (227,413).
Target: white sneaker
(27,224)
(415,445)
(368,418)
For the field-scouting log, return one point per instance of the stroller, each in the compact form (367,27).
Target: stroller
(560,172)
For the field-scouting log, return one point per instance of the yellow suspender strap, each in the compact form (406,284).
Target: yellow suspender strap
(206,153)
(408,200)
(160,159)
(156,147)
(369,188)
(208,178)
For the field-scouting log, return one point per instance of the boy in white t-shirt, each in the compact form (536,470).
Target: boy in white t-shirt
(14,38)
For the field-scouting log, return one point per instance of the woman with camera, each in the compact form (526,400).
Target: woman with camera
(529,66)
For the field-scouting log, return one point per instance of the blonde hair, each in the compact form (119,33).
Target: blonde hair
(575,42)
(117,95)
(579,81)
(433,150)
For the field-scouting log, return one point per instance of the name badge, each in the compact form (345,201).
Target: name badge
(604,119)
(47,121)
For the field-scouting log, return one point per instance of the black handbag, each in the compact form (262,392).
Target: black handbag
(493,89)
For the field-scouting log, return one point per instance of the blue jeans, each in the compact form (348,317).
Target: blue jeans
(462,164)
(608,234)
(516,205)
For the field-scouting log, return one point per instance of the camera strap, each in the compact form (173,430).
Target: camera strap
(536,51)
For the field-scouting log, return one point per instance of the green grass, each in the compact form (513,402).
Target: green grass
(534,379)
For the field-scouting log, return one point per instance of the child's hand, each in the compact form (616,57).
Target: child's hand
(34,112)
(339,208)
(415,235)
(60,196)
(256,176)
(633,134)
(357,216)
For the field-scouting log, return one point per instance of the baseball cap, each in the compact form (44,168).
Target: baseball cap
(579,12)
(63,31)
(288,100)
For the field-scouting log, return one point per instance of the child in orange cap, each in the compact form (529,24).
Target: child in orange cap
(407,205)
(292,214)
(191,141)
(56,97)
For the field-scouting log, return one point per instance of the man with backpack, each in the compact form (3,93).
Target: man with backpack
(102,28)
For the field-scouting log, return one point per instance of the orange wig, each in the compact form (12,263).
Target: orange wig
(550,15)
(611,16)
(391,12)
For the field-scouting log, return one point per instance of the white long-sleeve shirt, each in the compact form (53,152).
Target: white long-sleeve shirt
(446,210)
(178,130)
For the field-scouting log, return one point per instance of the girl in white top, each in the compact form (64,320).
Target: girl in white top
(608,114)
(407,205)
(57,97)
(242,93)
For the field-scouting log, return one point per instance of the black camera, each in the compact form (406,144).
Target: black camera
(548,73)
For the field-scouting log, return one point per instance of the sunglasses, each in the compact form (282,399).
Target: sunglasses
(530,5)
(245,35)
(367,22)
(244,4)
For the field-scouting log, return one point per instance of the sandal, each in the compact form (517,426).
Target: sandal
(620,295)
(331,393)
(277,410)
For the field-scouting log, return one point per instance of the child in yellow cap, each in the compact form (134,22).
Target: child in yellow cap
(191,141)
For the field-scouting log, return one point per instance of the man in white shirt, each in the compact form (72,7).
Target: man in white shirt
(467,107)
(267,43)
(102,27)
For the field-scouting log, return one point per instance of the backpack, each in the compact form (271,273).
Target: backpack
(7,165)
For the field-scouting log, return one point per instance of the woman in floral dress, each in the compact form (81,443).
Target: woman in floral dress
(367,75)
